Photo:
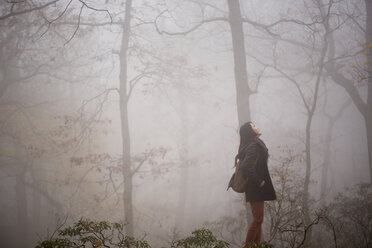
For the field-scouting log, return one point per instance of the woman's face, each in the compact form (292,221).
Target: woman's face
(256,129)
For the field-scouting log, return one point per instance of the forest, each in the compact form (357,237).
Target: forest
(119,121)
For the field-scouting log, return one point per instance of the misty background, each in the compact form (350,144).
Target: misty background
(130,110)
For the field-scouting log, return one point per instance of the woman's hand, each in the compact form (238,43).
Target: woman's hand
(262,184)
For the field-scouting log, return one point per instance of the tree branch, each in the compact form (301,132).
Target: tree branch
(216,19)
(95,9)
(77,27)
(27,10)
(288,77)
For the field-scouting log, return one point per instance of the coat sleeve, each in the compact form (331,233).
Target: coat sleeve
(249,163)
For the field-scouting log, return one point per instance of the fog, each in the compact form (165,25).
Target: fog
(129,111)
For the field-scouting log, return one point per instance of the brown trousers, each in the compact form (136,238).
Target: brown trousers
(254,230)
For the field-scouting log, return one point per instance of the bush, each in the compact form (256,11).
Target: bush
(201,238)
(95,234)
(351,213)
(87,233)
(261,245)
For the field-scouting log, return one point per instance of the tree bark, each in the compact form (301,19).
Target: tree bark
(123,94)
(368,119)
(310,115)
(184,158)
(22,218)
(243,91)
(332,120)
(37,221)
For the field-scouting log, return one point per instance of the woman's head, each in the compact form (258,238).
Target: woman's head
(248,131)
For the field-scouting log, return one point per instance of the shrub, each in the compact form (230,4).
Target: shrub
(351,213)
(87,233)
(201,238)
(261,245)
(95,234)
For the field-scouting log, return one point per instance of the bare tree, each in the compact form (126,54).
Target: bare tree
(22,67)
(351,85)
(326,178)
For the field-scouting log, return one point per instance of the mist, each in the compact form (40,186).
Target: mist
(129,112)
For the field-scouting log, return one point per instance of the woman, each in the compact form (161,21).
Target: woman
(254,154)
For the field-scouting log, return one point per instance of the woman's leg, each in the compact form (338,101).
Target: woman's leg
(254,230)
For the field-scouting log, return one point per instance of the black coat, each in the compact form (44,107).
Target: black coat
(256,172)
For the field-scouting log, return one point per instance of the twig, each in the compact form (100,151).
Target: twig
(77,27)
(25,11)
(60,226)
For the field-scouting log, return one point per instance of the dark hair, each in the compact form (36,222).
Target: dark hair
(246,135)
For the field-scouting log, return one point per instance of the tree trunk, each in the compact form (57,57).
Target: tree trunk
(368,118)
(243,91)
(37,221)
(184,158)
(22,218)
(123,94)
(305,199)
(311,111)
(310,115)
(326,162)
